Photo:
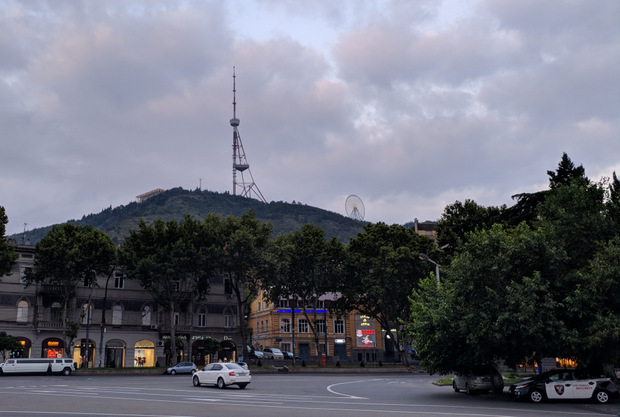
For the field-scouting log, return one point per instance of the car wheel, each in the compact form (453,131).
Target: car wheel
(601,397)
(220,383)
(242,386)
(454,387)
(173,372)
(196,381)
(536,396)
(66,371)
(468,390)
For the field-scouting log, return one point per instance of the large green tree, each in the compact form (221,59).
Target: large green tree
(70,256)
(383,268)
(7,255)
(8,343)
(305,268)
(244,242)
(546,287)
(459,219)
(173,261)
(498,301)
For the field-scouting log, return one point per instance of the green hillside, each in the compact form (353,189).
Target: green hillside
(174,204)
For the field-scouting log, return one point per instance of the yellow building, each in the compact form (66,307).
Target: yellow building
(352,337)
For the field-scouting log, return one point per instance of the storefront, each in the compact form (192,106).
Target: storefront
(52,348)
(80,353)
(144,353)
(24,349)
(114,354)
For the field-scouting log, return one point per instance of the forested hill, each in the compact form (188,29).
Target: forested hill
(174,204)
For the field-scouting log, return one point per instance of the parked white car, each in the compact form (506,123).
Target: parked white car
(273,353)
(222,374)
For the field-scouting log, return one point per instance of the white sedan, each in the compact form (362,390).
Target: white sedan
(222,374)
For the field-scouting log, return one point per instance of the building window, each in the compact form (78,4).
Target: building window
(177,319)
(320,304)
(56,312)
(257,327)
(339,326)
(119,280)
(227,286)
(117,315)
(176,286)
(285,325)
(202,319)
(228,320)
(283,303)
(320,326)
(22,311)
(146,316)
(260,306)
(285,347)
(302,326)
(262,326)
(87,314)
(267,326)
(22,274)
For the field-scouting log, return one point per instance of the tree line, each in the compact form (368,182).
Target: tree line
(540,278)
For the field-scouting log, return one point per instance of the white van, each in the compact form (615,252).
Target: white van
(62,366)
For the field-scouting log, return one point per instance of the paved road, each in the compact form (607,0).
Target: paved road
(302,395)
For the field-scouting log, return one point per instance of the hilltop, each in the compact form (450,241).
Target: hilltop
(175,203)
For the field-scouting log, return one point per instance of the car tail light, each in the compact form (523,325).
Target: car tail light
(232,373)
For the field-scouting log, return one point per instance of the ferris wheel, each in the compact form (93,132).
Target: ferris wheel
(355,207)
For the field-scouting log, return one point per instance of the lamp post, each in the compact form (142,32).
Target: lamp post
(425,257)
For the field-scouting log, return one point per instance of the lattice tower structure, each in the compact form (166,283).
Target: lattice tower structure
(246,186)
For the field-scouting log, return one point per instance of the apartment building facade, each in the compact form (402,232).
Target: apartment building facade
(350,337)
(120,325)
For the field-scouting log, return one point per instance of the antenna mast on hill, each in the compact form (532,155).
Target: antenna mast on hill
(240,163)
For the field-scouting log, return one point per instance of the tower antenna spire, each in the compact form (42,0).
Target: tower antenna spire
(247,188)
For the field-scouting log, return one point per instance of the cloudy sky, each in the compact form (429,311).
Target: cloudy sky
(409,104)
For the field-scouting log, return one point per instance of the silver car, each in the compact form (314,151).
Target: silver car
(182,368)
(478,378)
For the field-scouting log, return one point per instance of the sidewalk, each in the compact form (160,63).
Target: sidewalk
(265,369)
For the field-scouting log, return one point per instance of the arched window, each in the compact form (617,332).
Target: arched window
(146,315)
(22,311)
(87,314)
(117,315)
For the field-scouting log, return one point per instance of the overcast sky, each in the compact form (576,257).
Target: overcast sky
(409,104)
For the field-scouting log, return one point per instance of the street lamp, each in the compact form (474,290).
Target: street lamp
(425,257)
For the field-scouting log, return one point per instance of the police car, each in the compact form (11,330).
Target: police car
(565,384)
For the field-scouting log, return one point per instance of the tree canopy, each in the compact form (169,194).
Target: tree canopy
(69,256)
(304,264)
(173,261)
(7,255)
(520,290)
(383,268)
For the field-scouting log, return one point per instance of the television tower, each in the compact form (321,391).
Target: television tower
(240,163)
